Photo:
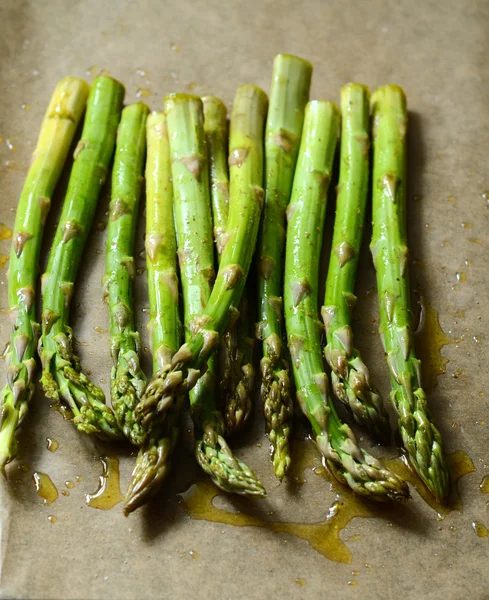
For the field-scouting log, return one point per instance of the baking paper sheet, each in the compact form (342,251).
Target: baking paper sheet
(438,52)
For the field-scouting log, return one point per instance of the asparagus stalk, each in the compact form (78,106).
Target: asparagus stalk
(58,128)
(216,137)
(185,118)
(236,349)
(128,381)
(246,197)
(389,249)
(154,458)
(306,213)
(62,379)
(291,80)
(350,377)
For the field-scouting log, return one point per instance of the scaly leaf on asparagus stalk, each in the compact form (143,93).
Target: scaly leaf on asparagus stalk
(236,371)
(246,197)
(421,438)
(62,379)
(154,458)
(350,377)
(291,80)
(185,118)
(58,128)
(127,380)
(306,214)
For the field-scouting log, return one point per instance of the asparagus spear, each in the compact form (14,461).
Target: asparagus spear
(236,349)
(57,131)
(154,458)
(246,197)
(238,370)
(349,375)
(291,80)
(62,379)
(389,249)
(216,137)
(185,118)
(127,378)
(306,214)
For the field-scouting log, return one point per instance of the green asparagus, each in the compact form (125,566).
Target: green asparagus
(237,374)
(306,214)
(216,136)
(291,80)
(350,377)
(127,382)
(185,117)
(246,198)
(154,458)
(62,379)
(238,370)
(58,128)
(389,249)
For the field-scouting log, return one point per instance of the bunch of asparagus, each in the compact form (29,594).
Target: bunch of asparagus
(215,200)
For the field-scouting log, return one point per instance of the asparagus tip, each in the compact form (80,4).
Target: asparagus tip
(152,467)
(226,470)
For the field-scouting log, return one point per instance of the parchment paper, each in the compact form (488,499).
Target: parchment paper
(438,52)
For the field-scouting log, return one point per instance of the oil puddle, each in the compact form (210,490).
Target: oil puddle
(63,410)
(324,536)
(484,485)
(480,529)
(108,493)
(6,350)
(459,464)
(5,232)
(429,339)
(143,93)
(96,71)
(45,487)
(13,166)
(51,444)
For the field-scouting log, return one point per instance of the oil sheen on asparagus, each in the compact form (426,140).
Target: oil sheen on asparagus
(421,438)
(127,380)
(246,198)
(193,221)
(235,354)
(58,128)
(62,378)
(350,377)
(291,80)
(306,214)
(153,462)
